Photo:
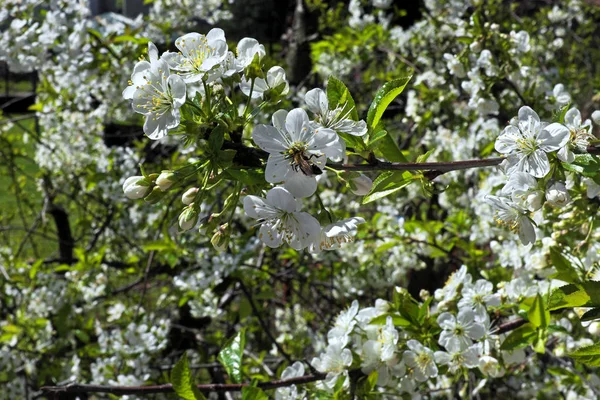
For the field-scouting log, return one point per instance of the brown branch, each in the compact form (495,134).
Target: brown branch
(509,326)
(222,387)
(427,166)
(168,388)
(251,156)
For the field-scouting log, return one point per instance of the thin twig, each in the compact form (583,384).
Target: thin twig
(168,388)
(263,323)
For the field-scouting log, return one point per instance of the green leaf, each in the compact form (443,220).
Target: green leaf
(389,149)
(585,294)
(253,393)
(397,320)
(231,356)
(388,183)
(567,296)
(539,343)
(383,98)
(181,379)
(338,95)
(216,139)
(538,315)
(591,315)
(564,270)
(520,337)
(589,355)
(376,137)
(407,306)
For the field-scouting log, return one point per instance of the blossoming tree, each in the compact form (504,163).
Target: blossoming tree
(414,219)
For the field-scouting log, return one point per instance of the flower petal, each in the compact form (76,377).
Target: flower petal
(300,185)
(269,139)
(282,199)
(553,137)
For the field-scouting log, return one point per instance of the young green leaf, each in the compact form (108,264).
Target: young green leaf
(390,182)
(520,337)
(383,98)
(231,356)
(338,95)
(589,355)
(564,270)
(253,393)
(181,379)
(591,315)
(538,315)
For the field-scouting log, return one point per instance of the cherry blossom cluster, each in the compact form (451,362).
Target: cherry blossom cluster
(298,147)
(379,339)
(534,150)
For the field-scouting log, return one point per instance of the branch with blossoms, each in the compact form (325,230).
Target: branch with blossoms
(206,93)
(220,387)
(210,95)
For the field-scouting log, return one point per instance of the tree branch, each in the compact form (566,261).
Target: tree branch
(223,387)
(168,388)
(251,157)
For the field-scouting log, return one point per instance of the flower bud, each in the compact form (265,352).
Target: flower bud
(188,197)
(136,187)
(557,195)
(596,117)
(220,239)
(361,185)
(594,328)
(165,180)
(534,200)
(188,218)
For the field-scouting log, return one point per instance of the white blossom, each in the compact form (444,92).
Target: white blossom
(198,55)
(158,98)
(460,330)
(457,356)
(557,195)
(478,296)
(527,143)
(514,217)
(580,135)
(335,362)
(421,360)
(336,119)
(257,87)
(333,235)
(291,142)
(280,219)
(523,189)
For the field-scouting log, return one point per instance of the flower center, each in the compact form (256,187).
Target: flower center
(527,145)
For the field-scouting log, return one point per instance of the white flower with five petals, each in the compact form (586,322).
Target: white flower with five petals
(460,330)
(524,190)
(457,356)
(281,220)
(247,49)
(512,215)
(335,362)
(580,135)
(527,143)
(420,360)
(333,235)
(292,143)
(198,55)
(344,324)
(336,119)
(158,95)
